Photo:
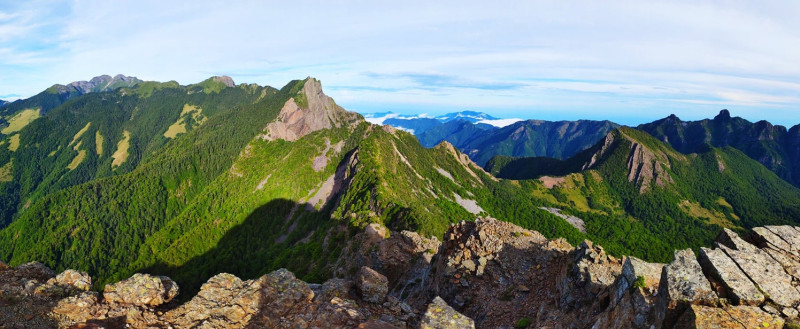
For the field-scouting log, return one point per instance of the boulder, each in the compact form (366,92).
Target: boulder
(77,308)
(441,316)
(698,316)
(224,300)
(740,289)
(682,284)
(80,281)
(141,289)
(372,285)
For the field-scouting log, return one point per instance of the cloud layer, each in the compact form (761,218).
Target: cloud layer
(629,61)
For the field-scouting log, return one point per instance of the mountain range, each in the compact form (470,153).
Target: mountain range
(190,181)
(774,146)
(482,136)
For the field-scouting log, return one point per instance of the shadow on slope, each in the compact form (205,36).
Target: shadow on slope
(279,234)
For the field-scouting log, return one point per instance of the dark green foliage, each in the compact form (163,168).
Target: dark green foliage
(522,323)
(639,283)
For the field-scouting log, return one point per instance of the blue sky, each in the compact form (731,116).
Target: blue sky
(627,61)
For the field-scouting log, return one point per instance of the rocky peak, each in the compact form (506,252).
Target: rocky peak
(226,80)
(308,111)
(103,83)
(723,115)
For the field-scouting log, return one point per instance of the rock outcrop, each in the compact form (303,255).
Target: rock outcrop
(484,274)
(308,111)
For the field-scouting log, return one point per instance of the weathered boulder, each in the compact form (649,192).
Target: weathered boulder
(441,316)
(738,286)
(682,284)
(700,317)
(224,300)
(141,289)
(77,308)
(73,279)
(372,285)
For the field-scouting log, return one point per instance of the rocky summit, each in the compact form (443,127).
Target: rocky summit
(484,274)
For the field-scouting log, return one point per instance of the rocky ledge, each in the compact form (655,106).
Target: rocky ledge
(485,274)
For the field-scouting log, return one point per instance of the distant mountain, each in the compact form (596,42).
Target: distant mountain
(58,94)
(98,84)
(419,124)
(3,103)
(456,132)
(773,146)
(482,136)
(553,139)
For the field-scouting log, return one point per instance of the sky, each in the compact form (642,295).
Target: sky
(626,61)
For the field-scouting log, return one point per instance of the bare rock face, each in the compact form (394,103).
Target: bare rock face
(142,289)
(409,281)
(765,272)
(724,269)
(645,168)
(682,284)
(441,316)
(593,271)
(226,80)
(309,111)
(372,285)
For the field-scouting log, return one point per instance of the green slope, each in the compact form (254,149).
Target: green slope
(224,199)
(80,140)
(667,202)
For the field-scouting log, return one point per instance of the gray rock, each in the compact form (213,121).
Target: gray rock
(73,279)
(788,234)
(772,240)
(724,269)
(441,316)
(372,285)
(682,284)
(142,289)
(767,273)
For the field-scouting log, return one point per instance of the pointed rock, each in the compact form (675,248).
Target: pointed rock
(682,284)
(441,316)
(372,285)
(308,111)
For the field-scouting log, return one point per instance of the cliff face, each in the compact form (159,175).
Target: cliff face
(484,274)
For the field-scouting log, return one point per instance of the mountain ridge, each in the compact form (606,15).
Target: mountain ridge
(774,146)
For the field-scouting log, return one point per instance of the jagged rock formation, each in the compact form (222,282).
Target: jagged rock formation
(776,147)
(485,274)
(309,111)
(97,84)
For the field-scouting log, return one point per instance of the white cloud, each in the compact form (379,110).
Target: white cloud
(500,123)
(546,59)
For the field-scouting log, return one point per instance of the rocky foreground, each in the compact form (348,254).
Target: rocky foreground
(486,274)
